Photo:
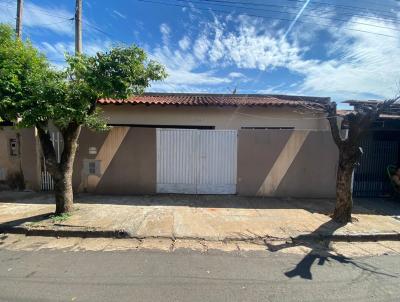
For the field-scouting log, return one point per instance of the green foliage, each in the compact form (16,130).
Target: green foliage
(60,218)
(22,72)
(34,93)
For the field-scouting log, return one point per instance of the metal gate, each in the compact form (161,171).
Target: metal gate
(47,183)
(196,161)
(380,149)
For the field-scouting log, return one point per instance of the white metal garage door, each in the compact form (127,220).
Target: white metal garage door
(196,161)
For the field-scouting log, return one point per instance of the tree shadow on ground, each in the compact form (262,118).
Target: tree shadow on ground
(6,226)
(322,206)
(3,237)
(320,252)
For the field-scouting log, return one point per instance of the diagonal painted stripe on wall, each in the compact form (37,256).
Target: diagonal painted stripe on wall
(283,163)
(107,152)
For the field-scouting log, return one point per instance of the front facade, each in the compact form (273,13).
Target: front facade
(257,145)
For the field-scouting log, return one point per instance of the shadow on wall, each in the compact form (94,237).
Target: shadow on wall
(14,181)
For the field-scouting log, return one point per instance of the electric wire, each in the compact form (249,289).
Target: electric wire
(294,13)
(319,9)
(261,17)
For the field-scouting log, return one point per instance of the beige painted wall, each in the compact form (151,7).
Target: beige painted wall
(126,158)
(9,164)
(225,117)
(28,158)
(279,163)
(286,163)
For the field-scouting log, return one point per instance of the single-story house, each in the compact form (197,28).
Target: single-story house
(264,145)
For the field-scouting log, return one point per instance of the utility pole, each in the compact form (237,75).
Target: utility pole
(18,25)
(78,27)
(18,31)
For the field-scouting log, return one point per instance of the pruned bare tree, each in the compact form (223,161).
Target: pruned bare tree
(358,123)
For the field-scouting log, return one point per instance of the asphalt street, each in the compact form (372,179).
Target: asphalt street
(56,275)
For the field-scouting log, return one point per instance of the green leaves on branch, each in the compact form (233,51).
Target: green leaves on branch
(119,73)
(35,93)
(22,73)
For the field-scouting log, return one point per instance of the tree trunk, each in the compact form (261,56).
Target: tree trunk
(344,199)
(62,171)
(350,151)
(63,191)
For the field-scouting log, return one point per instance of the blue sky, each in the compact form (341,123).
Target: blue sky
(340,49)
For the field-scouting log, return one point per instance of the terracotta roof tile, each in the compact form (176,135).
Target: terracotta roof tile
(217,100)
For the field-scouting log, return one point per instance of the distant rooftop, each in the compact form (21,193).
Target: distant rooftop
(360,102)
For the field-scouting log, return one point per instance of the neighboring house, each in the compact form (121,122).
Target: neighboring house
(381,147)
(265,145)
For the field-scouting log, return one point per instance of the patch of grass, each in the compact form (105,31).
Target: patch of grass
(60,218)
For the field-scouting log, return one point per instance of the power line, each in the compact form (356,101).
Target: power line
(64,21)
(113,37)
(348,7)
(30,8)
(104,32)
(257,6)
(357,8)
(290,13)
(46,12)
(226,12)
(261,17)
(42,24)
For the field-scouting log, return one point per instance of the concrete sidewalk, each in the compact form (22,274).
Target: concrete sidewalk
(211,218)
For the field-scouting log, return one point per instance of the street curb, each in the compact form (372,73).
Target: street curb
(63,233)
(120,234)
(357,237)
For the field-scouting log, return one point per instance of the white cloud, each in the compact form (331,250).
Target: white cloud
(92,47)
(249,46)
(184,43)
(363,64)
(236,75)
(217,49)
(201,46)
(89,47)
(58,49)
(56,52)
(356,63)
(165,31)
(181,68)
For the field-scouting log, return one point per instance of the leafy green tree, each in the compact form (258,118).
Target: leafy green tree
(35,95)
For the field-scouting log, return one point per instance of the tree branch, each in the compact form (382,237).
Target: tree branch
(48,150)
(333,122)
(386,105)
